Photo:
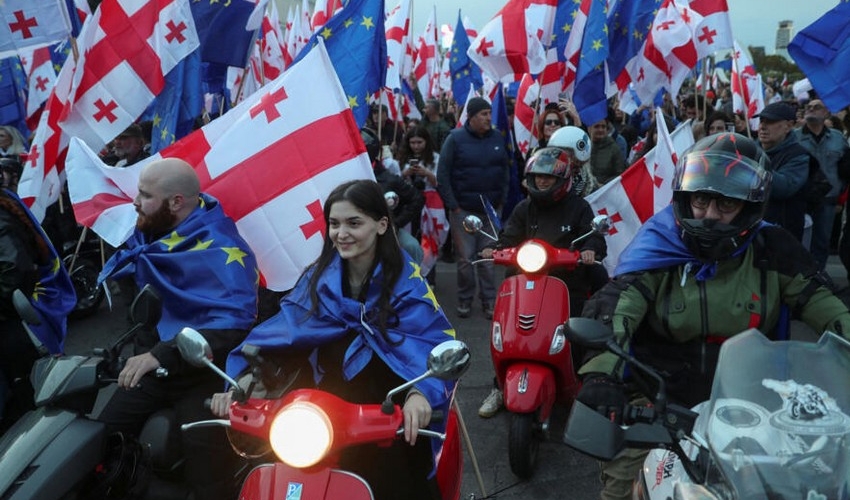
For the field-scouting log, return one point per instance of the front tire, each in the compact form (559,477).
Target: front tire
(89,295)
(523,444)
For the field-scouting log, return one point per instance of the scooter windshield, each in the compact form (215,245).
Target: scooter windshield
(778,425)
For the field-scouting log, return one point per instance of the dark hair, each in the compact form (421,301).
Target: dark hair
(541,120)
(32,236)
(717,115)
(404,152)
(368,197)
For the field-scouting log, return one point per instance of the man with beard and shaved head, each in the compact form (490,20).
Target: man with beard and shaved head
(190,252)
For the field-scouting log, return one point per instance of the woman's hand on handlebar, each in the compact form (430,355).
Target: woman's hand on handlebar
(220,405)
(588,257)
(487,253)
(417,414)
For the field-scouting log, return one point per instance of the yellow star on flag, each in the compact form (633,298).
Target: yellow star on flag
(416,271)
(173,240)
(430,296)
(597,44)
(352,101)
(56,265)
(367,21)
(201,245)
(156,120)
(326,33)
(234,254)
(450,333)
(348,22)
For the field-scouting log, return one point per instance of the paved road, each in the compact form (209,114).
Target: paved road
(561,472)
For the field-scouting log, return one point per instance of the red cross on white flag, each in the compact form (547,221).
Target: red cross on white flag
(260,160)
(126,49)
(397,28)
(32,24)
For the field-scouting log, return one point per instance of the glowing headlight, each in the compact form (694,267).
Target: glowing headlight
(531,257)
(301,434)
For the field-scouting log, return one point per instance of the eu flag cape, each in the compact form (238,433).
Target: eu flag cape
(54,296)
(204,272)
(421,326)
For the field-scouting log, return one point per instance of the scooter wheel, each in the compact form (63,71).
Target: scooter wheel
(89,295)
(523,444)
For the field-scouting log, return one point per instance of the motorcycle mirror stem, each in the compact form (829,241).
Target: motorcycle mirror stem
(29,316)
(195,349)
(600,224)
(472,224)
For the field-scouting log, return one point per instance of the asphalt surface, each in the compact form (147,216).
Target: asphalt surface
(560,473)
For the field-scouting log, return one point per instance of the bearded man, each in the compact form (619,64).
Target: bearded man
(190,252)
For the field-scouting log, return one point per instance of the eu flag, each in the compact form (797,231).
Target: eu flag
(501,123)
(589,95)
(628,27)
(821,50)
(174,110)
(13,94)
(221,30)
(564,15)
(357,45)
(464,71)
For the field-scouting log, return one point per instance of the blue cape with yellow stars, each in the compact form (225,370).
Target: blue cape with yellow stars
(54,296)
(421,326)
(204,272)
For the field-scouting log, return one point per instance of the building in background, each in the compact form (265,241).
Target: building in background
(784,34)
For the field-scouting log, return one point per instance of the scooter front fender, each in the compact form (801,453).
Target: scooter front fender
(529,387)
(279,481)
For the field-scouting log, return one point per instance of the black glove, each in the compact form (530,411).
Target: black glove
(604,394)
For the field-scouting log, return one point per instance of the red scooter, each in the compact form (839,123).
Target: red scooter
(531,356)
(307,428)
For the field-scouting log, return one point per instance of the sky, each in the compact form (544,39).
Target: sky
(754,22)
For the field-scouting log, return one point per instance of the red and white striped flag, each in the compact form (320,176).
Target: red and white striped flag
(747,92)
(277,205)
(525,113)
(513,42)
(435,230)
(324,10)
(41,77)
(272,44)
(426,68)
(29,24)
(714,30)
(551,80)
(642,190)
(126,49)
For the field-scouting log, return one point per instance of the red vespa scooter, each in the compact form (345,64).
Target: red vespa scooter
(307,428)
(531,356)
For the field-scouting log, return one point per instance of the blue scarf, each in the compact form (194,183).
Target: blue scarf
(658,244)
(204,272)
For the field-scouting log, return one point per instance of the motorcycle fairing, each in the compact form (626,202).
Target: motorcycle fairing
(279,481)
(529,387)
(55,448)
(65,379)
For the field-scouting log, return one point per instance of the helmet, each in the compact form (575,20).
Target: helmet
(549,161)
(370,140)
(572,138)
(730,165)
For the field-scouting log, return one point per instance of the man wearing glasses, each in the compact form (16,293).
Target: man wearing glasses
(831,150)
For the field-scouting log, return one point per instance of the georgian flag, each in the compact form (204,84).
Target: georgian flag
(642,190)
(29,24)
(426,69)
(259,160)
(126,49)
(525,114)
(714,31)
(513,42)
(397,29)
(41,77)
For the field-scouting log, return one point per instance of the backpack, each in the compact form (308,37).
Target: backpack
(816,187)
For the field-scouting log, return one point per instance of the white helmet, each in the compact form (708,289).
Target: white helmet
(572,138)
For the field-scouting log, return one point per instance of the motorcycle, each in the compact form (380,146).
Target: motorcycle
(531,357)
(307,428)
(776,425)
(58,451)
(84,259)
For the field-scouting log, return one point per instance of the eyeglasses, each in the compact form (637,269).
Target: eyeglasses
(724,204)
(814,107)
(552,122)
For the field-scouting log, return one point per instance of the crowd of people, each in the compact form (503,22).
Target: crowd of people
(747,229)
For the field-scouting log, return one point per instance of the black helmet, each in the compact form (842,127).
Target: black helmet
(730,165)
(549,161)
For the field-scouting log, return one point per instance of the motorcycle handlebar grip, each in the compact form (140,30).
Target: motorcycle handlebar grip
(208,404)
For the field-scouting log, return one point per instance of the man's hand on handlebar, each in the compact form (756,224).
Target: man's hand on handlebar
(588,257)
(135,368)
(417,414)
(487,253)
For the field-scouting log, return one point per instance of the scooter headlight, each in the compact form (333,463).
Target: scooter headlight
(531,257)
(559,340)
(496,336)
(301,434)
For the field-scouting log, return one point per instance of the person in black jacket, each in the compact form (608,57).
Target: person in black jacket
(554,213)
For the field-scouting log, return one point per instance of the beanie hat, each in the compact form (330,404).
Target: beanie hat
(476,105)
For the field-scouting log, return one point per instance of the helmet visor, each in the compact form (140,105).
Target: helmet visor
(727,174)
(550,161)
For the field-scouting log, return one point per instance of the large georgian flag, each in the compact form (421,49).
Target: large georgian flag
(271,161)
(32,24)
(126,49)
(642,190)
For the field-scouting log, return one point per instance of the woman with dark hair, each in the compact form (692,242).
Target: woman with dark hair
(366,320)
(418,159)
(718,122)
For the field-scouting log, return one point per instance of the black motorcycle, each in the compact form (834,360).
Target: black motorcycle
(58,451)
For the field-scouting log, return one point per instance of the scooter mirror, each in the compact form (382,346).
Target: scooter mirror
(391,198)
(25,309)
(601,224)
(449,360)
(146,308)
(588,332)
(194,348)
(472,224)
